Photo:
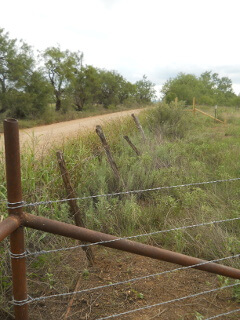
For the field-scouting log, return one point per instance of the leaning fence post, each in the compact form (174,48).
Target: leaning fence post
(74,208)
(14,193)
(111,161)
(132,145)
(139,126)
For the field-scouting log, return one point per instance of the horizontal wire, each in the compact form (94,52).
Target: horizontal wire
(129,237)
(166,302)
(118,193)
(126,281)
(223,314)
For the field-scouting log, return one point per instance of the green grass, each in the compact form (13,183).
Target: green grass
(180,149)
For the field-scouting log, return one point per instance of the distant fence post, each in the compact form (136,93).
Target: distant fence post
(176,101)
(14,192)
(194,106)
(215,111)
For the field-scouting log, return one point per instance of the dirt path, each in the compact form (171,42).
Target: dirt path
(55,134)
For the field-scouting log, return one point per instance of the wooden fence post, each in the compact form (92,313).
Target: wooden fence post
(194,106)
(14,192)
(111,161)
(132,145)
(74,208)
(176,101)
(138,124)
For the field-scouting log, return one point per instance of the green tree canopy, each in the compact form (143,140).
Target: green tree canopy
(23,88)
(208,88)
(145,91)
(61,67)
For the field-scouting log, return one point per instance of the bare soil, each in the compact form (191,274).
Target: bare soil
(113,266)
(49,136)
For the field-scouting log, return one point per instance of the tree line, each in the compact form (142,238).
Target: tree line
(28,85)
(208,89)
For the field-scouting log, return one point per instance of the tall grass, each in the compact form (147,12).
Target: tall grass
(180,149)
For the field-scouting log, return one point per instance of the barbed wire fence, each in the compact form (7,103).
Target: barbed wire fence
(28,253)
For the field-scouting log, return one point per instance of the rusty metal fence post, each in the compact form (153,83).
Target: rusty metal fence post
(14,192)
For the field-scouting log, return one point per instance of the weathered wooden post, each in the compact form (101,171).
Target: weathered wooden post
(14,193)
(132,145)
(176,101)
(111,161)
(138,124)
(74,208)
(194,106)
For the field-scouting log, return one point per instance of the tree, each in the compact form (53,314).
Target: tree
(208,89)
(145,91)
(184,87)
(16,65)
(61,67)
(85,87)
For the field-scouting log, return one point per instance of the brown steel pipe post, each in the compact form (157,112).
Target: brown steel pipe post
(67,230)
(9,225)
(14,191)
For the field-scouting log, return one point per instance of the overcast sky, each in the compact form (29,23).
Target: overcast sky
(158,38)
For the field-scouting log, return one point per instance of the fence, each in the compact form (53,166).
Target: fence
(18,219)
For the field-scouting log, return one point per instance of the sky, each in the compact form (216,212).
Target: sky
(158,38)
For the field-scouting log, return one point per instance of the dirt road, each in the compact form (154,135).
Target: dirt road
(45,137)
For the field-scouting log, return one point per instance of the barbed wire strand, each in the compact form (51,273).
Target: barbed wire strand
(129,237)
(167,302)
(30,300)
(223,314)
(33,204)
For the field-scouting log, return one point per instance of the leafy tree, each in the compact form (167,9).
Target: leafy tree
(184,86)
(16,65)
(208,89)
(61,67)
(86,87)
(110,86)
(145,91)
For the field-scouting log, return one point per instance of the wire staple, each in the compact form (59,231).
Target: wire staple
(18,255)
(22,302)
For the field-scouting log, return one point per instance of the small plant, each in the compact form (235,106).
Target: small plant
(85,274)
(198,316)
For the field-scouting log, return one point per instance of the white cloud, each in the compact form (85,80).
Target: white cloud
(135,37)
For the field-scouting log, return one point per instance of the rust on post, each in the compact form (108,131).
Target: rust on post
(67,230)
(132,145)
(139,126)
(9,225)
(14,192)
(74,208)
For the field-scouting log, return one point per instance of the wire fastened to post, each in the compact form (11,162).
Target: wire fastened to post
(16,205)
(22,302)
(18,255)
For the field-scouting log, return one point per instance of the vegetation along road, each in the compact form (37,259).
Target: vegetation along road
(44,137)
